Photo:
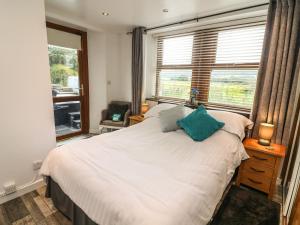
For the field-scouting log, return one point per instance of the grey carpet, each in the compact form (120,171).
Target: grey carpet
(247,207)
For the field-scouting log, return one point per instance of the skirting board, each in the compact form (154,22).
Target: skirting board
(22,190)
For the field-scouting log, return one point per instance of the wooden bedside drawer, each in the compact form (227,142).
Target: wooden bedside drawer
(260,171)
(258,168)
(132,122)
(258,182)
(262,158)
(135,119)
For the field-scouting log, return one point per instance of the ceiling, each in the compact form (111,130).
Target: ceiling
(126,14)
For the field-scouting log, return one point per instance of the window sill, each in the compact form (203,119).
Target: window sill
(209,106)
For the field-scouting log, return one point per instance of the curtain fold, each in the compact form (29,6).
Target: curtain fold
(137,69)
(278,75)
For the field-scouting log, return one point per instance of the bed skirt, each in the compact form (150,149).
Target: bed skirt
(65,205)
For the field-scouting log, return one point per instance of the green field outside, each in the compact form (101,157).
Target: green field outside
(236,88)
(175,89)
(232,94)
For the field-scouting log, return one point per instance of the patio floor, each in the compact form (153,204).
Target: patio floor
(64,129)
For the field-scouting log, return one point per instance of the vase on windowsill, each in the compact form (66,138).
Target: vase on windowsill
(193,100)
(194,93)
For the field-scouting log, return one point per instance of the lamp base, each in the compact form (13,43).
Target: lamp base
(264,142)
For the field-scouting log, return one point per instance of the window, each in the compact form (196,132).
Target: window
(222,63)
(64,71)
(240,45)
(232,87)
(175,83)
(178,50)
(175,74)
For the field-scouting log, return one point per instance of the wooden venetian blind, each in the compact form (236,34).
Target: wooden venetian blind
(222,63)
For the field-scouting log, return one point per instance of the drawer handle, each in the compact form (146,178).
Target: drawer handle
(255,182)
(258,158)
(256,170)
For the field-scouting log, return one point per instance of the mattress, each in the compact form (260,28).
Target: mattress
(141,176)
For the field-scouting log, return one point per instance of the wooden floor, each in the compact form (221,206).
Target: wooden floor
(31,209)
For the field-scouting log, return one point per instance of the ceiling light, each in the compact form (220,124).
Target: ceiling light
(165,10)
(105,13)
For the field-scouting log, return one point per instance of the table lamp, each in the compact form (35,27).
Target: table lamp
(145,108)
(265,133)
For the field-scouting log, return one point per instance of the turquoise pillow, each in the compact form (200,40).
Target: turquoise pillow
(199,125)
(116,117)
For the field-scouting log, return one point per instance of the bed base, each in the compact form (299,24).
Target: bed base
(67,207)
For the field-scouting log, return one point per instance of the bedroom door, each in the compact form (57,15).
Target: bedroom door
(67,49)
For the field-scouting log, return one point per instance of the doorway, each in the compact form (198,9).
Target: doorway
(67,49)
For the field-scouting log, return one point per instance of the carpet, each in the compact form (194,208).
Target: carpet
(247,207)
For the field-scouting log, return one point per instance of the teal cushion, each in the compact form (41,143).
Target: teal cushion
(116,117)
(199,125)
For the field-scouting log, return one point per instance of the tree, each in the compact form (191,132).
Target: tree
(63,63)
(60,74)
(56,55)
(74,62)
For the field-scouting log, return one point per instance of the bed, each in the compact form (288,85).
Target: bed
(141,176)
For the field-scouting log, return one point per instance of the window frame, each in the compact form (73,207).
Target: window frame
(199,37)
(83,72)
(160,66)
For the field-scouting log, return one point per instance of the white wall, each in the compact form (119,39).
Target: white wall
(97,77)
(27,127)
(109,71)
(113,59)
(118,64)
(125,67)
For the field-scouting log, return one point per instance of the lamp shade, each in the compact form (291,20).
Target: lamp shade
(145,108)
(265,133)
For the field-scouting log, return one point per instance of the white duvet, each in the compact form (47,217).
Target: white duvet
(141,176)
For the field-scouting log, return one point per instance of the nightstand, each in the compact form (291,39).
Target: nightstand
(261,169)
(135,119)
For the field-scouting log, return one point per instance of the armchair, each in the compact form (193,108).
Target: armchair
(120,107)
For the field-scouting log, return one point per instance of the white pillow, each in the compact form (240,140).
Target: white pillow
(154,111)
(168,118)
(234,123)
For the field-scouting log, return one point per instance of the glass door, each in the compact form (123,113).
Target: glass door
(69,85)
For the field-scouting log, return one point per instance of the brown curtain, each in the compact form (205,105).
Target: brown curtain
(278,75)
(137,69)
(288,166)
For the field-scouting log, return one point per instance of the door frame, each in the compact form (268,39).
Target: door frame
(84,80)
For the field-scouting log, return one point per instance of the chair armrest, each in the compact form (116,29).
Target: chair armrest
(126,118)
(104,115)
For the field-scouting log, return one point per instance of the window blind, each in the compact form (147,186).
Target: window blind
(222,63)
(63,39)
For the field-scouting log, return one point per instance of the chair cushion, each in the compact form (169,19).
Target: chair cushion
(112,123)
(199,125)
(116,117)
(114,108)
